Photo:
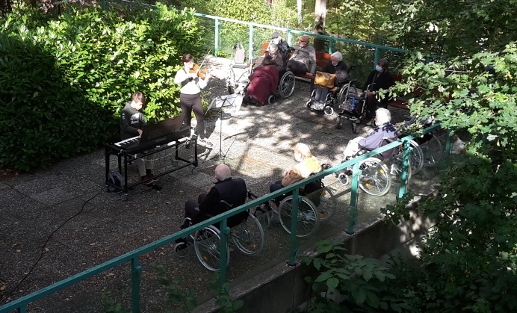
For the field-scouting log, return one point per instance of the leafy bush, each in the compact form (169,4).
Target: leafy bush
(350,283)
(63,82)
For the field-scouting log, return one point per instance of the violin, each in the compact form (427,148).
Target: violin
(201,72)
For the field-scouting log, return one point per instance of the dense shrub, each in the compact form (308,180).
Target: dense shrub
(63,82)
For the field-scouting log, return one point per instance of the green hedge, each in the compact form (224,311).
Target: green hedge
(63,82)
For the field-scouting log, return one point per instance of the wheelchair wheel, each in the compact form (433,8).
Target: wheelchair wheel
(286,85)
(328,204)
(248,236)
(271,99)
(207,244)
(375,179)
(181,250)
(307,219)
(396,169)
(416,157)
(354,127)
(328,110)
(432,151)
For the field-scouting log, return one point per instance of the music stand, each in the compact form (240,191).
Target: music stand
(234,100)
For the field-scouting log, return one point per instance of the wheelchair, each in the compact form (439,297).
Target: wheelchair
(318,204)
(378,172)
(246,234)
(238,81)
(348,100)
(332,99)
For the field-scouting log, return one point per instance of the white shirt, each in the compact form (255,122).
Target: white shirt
(191,87)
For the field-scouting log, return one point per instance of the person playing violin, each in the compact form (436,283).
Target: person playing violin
(190,99)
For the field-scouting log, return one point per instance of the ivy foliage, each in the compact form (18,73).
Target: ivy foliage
(63,81)
(468,259)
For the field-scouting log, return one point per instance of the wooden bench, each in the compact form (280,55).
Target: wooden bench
(398,102)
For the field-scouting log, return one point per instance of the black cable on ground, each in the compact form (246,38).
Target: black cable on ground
(9,293)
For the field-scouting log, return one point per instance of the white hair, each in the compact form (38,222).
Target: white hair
(273,47)
(337,55)
(383,116)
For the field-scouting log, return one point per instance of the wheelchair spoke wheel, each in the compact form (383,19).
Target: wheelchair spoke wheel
(248,236)
(207,244)
(396,169)
(307,218)
(432,151)
(375,179)
(328,204)
(286,85)
(416,157)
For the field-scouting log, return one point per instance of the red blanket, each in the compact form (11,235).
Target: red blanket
(263,82)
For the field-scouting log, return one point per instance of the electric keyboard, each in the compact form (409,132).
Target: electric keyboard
(133,145)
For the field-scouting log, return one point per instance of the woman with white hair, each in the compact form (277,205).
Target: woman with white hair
(383,130)
(334,66)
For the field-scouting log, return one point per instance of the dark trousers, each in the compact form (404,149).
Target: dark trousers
(192,207)
(296,67)
(321,93)
(191,103)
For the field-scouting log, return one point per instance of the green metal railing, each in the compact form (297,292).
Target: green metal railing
(133,256)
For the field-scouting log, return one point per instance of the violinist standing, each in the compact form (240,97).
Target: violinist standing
(190,99)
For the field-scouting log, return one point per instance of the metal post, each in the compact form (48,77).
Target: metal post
(331,46)
(216,37)
(250,45)
(225,230)
(293,251)
(353,199)
(405,165)
(376,57)
(136,270)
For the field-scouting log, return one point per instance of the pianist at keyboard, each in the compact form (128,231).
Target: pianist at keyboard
(132,120)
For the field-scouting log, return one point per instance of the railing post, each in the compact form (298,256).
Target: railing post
(225,230)
(250,44)
(293,251)
(353,199)
(448,144)
(136,270)
(331,46)
(405,164)
(376,57)
(216,36)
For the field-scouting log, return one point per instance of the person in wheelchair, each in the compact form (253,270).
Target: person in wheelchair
(227,193)
(281,44)
(335,66)
(276,58)
(308,165)
(380,78)
(383,130)
(263,82)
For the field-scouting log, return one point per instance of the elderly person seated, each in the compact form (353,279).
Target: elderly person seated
(227,193)
(308,165)
(383,130)
(263,82)
(337,67)
(303,59)
(379,79)
(282,45)
(276,58)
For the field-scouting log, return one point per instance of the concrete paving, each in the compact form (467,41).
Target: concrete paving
(60,221)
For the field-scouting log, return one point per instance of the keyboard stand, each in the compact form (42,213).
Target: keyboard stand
(120,182)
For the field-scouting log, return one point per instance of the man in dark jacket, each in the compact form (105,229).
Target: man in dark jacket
(283,46)
(227,193)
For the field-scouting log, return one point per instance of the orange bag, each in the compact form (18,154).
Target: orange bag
(325,79)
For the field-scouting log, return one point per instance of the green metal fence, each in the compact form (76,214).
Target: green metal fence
(133,257)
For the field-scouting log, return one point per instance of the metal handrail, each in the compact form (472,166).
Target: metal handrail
(21,303)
